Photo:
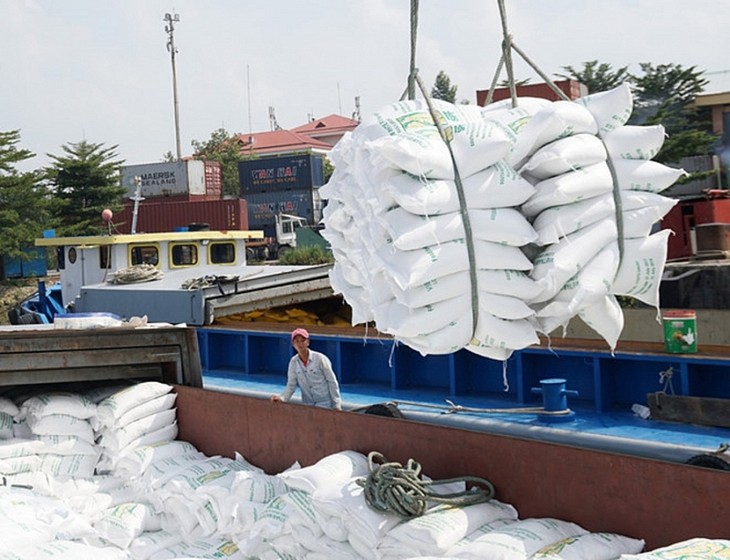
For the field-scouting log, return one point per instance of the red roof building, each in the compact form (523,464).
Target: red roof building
(327,129)
(317,136)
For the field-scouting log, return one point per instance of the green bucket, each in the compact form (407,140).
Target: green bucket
(680,331)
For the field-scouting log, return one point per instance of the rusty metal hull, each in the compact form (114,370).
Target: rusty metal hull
(658,501)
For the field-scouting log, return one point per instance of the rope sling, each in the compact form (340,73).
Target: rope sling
(393,488)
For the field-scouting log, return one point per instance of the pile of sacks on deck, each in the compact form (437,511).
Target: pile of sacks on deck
(560,197)
(100,476)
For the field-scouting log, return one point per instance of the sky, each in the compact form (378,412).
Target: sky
(100,71)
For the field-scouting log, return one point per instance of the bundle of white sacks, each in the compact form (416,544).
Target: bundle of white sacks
(82,480)
(561,198)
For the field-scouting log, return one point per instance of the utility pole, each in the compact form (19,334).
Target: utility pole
(171,20)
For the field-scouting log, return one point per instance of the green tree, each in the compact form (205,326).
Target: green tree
(225,148)
(597,76)
(23,201)
(442,88)
(664,95)
(84,181)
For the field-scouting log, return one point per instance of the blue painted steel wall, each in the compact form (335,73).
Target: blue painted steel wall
(604,383)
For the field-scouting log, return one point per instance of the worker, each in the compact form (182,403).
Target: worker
(312,372)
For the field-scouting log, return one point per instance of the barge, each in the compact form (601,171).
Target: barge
(659,501)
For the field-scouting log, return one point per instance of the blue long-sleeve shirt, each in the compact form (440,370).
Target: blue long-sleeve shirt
(317,381)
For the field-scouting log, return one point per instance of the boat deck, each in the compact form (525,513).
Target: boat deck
(620,431)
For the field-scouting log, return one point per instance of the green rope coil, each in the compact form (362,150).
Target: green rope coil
(392,488)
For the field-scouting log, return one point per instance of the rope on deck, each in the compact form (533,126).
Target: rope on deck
(136,273)
(392,488)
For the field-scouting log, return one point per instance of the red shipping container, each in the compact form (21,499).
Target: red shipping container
(571,88)
(156,217)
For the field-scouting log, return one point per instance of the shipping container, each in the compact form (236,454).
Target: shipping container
(32,267)
(190,178)
(155,217)
(571,88)
(263,208)
(686,216)
(281,172)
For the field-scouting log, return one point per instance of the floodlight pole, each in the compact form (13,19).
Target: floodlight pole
(171,20)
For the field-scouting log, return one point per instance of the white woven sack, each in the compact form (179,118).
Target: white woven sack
(556,222)
(697,548)
(493,332)
(61,424)
(558,120)
(568,188)
(66,550)
(497,186)
(606,318)
(596,546)
(611,109)
(404,136)
(500,225)
(6,426)
(401,321)
(514,122)
(112,408)
(641,211)
(18,447)
(635,142)
(70,404)
(640,175)
(642,263)
(439,529)
(335,469)
(563,155)
(447,340)
(8,406)
(79,466)
(518,540)
(559,262)
(412,268)
(137,462)
(117,439)
(587,287)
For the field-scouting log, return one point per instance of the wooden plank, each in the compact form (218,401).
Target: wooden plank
(704,411)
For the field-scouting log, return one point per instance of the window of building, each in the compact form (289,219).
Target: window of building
(184,254)
(105,257)
(144,254)
(222,252)
(61,257)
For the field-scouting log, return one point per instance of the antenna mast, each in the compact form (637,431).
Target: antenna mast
(171,20)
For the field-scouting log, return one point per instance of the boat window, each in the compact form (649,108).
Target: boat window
(61,257)
(144,254)
(184,254)
(105,257)
(223,252)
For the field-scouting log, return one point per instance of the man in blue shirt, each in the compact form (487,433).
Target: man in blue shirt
(312,372)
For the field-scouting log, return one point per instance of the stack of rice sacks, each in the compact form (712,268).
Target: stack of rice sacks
(52,435)
(561,198)
(142,414)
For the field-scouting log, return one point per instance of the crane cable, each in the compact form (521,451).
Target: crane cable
(391,487)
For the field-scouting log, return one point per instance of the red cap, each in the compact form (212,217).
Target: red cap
(299,332)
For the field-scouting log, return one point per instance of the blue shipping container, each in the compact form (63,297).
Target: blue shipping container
(264,206)
(33,268)
(281,172)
